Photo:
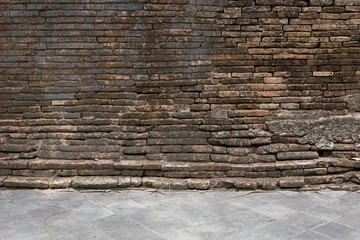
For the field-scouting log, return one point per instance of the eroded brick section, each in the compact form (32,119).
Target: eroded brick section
(179,94)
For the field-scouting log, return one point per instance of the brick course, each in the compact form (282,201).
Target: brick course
(179,94)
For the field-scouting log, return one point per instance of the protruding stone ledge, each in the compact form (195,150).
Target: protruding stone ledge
(295,183)
(26,182)
(94,182)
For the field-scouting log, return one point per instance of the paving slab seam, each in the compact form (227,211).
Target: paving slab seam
(84,221)
(29,216)
(128,219)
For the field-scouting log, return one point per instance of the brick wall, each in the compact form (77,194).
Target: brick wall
(180,94)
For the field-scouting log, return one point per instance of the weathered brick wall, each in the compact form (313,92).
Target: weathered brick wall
(179,94)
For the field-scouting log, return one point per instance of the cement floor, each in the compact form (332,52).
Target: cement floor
(151,214)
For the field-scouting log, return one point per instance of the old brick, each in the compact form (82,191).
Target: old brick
(13,164)
(94,182)
(267,183)
(323,74)
(236,173)
(315,171)
(294,172)
(296,155)
(124,182)
(201,184)
(235,142)
(26,182)
(238,151)
(291,182)
(67,164)
(128,165)
(60,182)
(134,173)
(245,183)
(66,173)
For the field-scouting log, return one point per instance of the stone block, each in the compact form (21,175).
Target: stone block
(268,183)
(291,182)
(26,182)
(62,182)
(200,184)
(13,164)
(94,182)
(296,155)
(245,183)
(323,74)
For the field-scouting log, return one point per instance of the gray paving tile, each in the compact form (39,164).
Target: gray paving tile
(184,212)
(247,201)
(9,209)
(155,221)
(269,196)
(65,196)
(17,195)
(198,199)
(181,194)
(134,232)
(346,206)
(44,212)
(4,199)
(120,227)
(80,231)
(222,208)
(193,234)
(352,197)
(351,219)
(273,211)
(276,230)
(219,196)
(338,231)
(62,219)
(22,231)
(220,227)
(309,235)
(295,203)
(90,210)
(248,219)
(313,197)
(42,236)
(111,223)
(303,220)
(140,193)
(288,193)
(28,200)
(81,206)
(151,199)
(323,212)
(106,198)
(75,203)
(126,206)
(331,193)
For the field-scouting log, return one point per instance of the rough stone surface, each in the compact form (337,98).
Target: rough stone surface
(353,102)
(94,182)
(24,182)
(127,93)
(291,182)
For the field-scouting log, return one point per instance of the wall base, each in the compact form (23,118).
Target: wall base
(322,173)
